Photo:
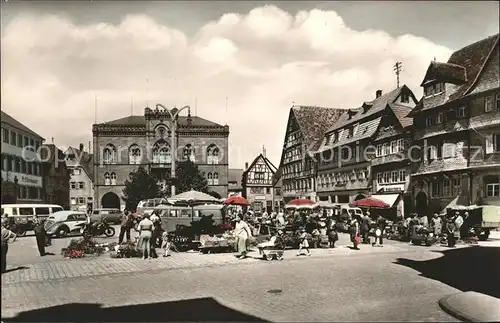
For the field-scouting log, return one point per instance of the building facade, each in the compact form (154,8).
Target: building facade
(278,201)
(80,166)
(120,146)
(345,152)
(257,182)
(391,167)
(22,180)
(305,127)
(234,186)
(457,124)
(55,176)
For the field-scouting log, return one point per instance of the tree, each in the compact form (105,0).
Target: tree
(188,177)
(140,186)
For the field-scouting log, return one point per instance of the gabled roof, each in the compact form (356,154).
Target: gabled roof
(86,160)
(377,105)
(277,178)
(235,175)
(446,72)
(182,120)
(266,161)
(401,112)
(18,125)
(473,58)
(314,121)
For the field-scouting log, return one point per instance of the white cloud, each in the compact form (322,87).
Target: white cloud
(262,61)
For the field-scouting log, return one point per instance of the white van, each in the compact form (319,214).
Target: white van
(148,206)
(29,210)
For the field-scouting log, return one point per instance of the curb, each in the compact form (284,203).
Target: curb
(451,305)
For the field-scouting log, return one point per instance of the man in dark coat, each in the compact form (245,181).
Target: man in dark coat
(125,226)
(39,235)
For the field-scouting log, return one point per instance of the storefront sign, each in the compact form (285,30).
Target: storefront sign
(22,179)
(260,197)
(394,188)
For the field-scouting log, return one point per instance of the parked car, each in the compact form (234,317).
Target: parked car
(109,215)
(62,223)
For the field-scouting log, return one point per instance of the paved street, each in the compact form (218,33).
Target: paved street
(379,284)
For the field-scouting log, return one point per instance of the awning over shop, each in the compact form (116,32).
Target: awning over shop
(389,199)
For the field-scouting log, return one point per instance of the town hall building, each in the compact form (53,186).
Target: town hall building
(120,146)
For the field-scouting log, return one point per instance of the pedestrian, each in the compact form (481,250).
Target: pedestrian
(156,233)
(242,233)
(145,235)
(165,243)
(40,235)
(303,242)
(125,226)
(365,227)
(459,221)
(464,227)
(437,225)
(379,232)
(7,237)
(355,232)
(450,232)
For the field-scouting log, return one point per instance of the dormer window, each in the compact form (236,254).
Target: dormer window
(327,139)
(351,133)
(433,88)
(428,121)
(461,112)
(439,118)
(366,107)
(405,98)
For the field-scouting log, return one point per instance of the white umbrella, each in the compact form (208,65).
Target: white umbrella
(193,197)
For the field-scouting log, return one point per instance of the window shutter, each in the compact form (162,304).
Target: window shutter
(489,144)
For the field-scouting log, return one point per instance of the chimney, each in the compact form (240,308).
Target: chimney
(81,147)
(246,166)
(378,94)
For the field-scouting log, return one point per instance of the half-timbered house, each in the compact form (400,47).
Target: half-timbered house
(257,182)
(457,123)
(346,149)
(306,125)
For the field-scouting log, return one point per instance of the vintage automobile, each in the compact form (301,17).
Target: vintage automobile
(62,223)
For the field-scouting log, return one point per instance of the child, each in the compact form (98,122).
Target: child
(303,243)
(165,243)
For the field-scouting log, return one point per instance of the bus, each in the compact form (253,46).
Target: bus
(147,206)
(29,210)
(172,216)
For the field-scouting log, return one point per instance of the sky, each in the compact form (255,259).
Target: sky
(57,57)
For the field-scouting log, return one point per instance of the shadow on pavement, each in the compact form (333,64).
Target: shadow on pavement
(467,269)
(193,310)
(16,268)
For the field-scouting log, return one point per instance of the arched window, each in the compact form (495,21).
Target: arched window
(113,179)
(162,153)
(109,154)
(210,179)
(215,180)
(107,179)
(189,153)
(134,155)
(212,154)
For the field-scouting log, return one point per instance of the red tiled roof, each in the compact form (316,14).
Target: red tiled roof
(315,121)
(473,58)
(377,105)
(448,72)
(401,113)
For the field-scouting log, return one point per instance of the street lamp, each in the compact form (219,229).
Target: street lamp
(174,113)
